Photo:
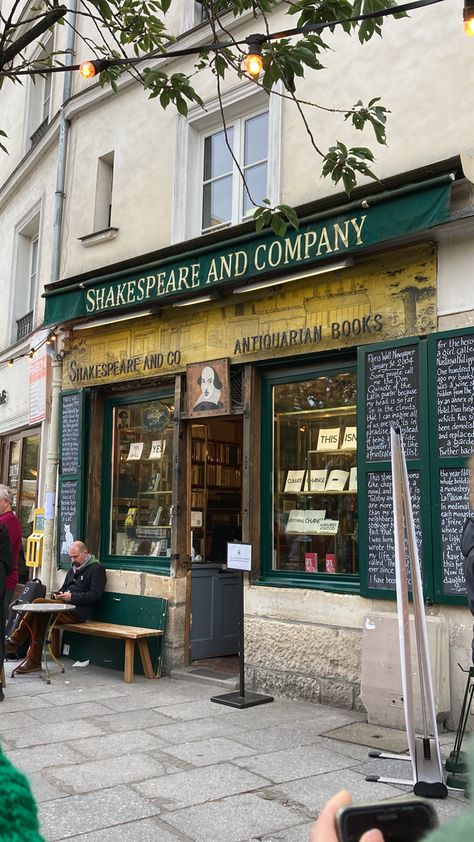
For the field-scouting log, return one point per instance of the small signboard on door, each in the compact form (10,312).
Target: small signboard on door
(239,556)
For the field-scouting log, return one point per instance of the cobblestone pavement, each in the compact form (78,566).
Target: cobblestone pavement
(114,762)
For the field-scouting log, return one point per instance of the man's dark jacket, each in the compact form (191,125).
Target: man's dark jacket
(87,585)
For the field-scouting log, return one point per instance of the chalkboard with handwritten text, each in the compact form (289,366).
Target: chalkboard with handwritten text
(70,433)
(380,537)
(455,384)
(453,486)
(391,377)
(68,508)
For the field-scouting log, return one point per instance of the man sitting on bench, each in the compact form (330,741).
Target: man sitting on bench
(83,586)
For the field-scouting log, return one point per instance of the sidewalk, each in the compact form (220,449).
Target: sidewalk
(114,762)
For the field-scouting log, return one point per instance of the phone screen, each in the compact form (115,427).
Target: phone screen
(404,821)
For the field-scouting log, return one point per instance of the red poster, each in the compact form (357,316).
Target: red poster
(330,562)
(311,562)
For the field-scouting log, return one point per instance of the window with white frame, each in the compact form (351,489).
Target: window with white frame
(235,169)
(26,276)
(220,175)
(40,98)
(103,193)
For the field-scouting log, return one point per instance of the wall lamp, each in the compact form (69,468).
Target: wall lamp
(112,320)
(468,17)
(276,282)
(200,299)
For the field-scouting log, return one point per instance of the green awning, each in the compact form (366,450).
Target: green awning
(322,238)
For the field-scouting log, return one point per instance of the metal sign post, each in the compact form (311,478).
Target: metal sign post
(425,754)
(239,557)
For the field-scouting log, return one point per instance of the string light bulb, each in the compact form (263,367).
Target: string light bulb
(468,16)
(89,69)
(253,61)
(31,354)
(10,363)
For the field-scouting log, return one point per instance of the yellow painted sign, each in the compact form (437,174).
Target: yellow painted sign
(387,296)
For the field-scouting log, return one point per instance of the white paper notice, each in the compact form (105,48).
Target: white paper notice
(328,439)
(337,480)
(353,480)
(294,480)
(317,480)
(49,505)
(157,449)
(349,441)
(239,556)
(136,450)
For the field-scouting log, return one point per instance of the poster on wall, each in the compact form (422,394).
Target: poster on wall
(208,389)
(38,372)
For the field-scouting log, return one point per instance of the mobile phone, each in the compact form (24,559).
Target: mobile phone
(406,820)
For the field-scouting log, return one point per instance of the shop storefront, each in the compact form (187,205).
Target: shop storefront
(261,412)
(22,409)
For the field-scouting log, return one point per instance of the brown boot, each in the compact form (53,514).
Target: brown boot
(10,646)
(33,663)
(18,637)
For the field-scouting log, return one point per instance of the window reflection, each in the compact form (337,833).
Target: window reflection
(141,479)
(315,479)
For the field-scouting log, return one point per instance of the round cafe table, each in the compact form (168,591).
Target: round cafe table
(53,610)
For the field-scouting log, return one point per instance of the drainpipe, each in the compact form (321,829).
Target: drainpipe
(52,456)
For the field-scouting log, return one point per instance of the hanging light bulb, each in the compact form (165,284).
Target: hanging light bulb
(89,69)
(253,61)
(10,363)
(31,355)
(468,16)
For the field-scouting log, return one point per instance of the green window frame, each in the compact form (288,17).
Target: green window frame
(334,582)
(142,563)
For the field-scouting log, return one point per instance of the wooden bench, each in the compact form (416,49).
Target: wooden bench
(117,606)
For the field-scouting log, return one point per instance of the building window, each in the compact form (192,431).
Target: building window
(209,194)
(40,98)
(26,277)
(103,195)
(314,512)
(227,198)
(141,487)
(20,467)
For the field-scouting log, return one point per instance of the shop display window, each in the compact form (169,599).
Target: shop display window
(141,499)
(315,512)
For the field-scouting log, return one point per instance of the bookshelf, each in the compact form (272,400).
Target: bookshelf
(216,498)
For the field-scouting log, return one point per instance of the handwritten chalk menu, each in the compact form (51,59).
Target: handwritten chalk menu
(380,539)
(455,379)
(391,377)
(68,506)
(453,486)
(70,433)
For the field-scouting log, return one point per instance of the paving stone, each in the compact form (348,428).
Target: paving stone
(78,695)
(196,729)
(290,834)
(34,736)
(294,763)
(313,792)
(43,789)
(198,786)
(40,757)
(138,701)
(131,720)
(204,752)
(80,814)
(232,819)
(117,745)
(281,736)
(198,710)
(145,830)
(102,774)
(12,721)
(69,713)
(12,704)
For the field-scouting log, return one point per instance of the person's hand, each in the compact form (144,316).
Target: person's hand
(66,596)
(324,829)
